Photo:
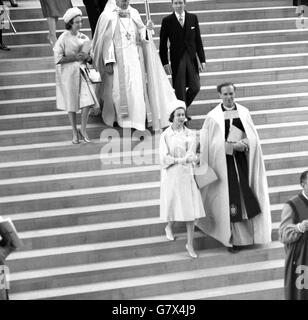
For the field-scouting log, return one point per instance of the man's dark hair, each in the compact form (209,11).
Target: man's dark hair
(225,84)
(303,177)
(173,1)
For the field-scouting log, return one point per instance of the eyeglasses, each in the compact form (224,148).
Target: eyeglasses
(78,22)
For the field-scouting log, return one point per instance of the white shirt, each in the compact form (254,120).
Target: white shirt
(304,194)
(178,17)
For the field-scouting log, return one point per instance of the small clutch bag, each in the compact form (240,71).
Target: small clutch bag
(204,175)
(94,75)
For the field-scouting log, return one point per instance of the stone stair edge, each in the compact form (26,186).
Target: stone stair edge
(154,280)
(137,261)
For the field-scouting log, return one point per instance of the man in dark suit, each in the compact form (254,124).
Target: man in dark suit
(94,9)
(182,30)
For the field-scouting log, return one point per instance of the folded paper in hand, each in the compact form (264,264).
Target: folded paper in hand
(9,233)
(204,175)
(236,134)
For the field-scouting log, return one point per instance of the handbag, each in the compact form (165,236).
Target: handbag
(204,175)
(93,74)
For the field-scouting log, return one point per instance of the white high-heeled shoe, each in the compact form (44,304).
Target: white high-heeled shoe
(191,252)
(169,234)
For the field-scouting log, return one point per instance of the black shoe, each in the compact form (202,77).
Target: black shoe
(4,47)
(13,3)
(234,249)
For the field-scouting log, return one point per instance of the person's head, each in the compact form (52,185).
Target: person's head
(123,4)
(227,93)
(304,181)
(178,116)
(73,19)
(178,6)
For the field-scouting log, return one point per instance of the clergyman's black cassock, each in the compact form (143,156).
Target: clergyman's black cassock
(237,167)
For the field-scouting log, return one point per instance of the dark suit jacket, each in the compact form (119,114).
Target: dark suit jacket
(181,39)
(94,9)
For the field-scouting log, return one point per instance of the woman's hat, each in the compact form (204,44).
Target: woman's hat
(71,14)
(177,105)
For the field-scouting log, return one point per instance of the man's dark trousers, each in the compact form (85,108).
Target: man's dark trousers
(186,77)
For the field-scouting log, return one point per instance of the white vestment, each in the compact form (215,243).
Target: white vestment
(139,89)
(216,196)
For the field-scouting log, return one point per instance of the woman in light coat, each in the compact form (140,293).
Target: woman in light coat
(74,92)
(180,198)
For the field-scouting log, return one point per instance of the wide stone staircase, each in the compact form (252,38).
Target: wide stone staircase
(91,225)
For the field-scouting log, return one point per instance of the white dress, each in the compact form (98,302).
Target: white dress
(180,198)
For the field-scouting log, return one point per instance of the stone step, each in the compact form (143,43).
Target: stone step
(72,153)
(263,290)
(282,130)
(207,78)
(33,11)
(82,163)
(94,233)
(278,178)
(47,134)
(144,266)
(83,196)
(124,140)
(263,102)
(105,177)
(212,27)
(48,104)
(243,50)
(206,92)
(60,118)
(281,194)
(78,163)
(80,180)
(221,64)
(46,219)
(286,160)
(165,284)
(39,23)
(38,152)
(41,120)
(102,252)
(285,145)
(270,116)
(49,219)
(214,39)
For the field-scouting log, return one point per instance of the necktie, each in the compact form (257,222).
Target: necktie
(181,21)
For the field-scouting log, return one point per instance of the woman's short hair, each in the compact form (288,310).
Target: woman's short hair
(171,117)
(68,26)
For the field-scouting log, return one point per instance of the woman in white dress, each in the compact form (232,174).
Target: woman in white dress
(74,92)
(180,198)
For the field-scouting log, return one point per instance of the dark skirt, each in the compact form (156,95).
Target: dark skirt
(55,8)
